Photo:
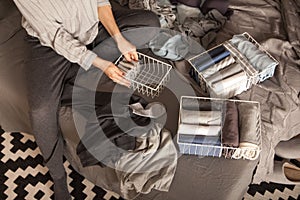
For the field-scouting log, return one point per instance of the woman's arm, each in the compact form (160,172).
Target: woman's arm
(106,17)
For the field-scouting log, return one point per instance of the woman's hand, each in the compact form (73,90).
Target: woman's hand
(112,71)
(127,49)
(116,75)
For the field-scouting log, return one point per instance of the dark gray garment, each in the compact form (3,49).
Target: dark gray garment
(230,129)
(249,123)
(46,74)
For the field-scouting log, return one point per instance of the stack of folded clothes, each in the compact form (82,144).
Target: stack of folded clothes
(227,128)
(200,126)
(234,66)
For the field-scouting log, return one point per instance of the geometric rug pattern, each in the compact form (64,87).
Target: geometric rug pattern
(23,176)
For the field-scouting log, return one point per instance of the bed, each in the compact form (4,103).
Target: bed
(271,23)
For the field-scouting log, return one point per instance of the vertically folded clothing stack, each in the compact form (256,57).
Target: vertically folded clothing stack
(223,74)
(234,66)
(219,128)
(201,125)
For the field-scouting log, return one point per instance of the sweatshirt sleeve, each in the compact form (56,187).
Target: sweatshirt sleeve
(51,33)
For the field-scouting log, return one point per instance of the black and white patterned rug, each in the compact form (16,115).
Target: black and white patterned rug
(23,176)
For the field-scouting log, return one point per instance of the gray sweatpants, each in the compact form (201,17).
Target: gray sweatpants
(46,73)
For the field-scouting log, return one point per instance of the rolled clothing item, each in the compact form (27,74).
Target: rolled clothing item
(224,73)
(256,57)
(201,117)
(191,129)
(199,139)
(217,67)
(230,129)
(229,81)
(213,60)
(203,150)
(232,90)
(248,123)
(213,56)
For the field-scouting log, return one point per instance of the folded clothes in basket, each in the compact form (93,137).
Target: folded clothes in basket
(191,129)
(249,131)
(199,139)
(256,57)
(230,129)
(217,67)
(201,105)
(233,80)
(201,117)
(225,73)
(210,58)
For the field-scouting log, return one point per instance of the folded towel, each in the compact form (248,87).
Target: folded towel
(200,117)
(190,129)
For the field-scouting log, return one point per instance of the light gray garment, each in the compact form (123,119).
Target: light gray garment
(217,67)
(235,79)
(151,166)
(170,46)
(230,91)
(225,73)
(152,110)
(65,26)
(201,117)
(191,129)
(201,104)
(249,123)
(256,57)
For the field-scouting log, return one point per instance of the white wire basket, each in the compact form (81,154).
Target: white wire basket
(149,76)
(249,152)
(253,76)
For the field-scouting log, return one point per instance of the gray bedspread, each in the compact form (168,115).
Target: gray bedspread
(275,25)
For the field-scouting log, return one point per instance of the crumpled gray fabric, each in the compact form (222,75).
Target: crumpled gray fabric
(169,46)
(173,46)
(203,28)
(150,166)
